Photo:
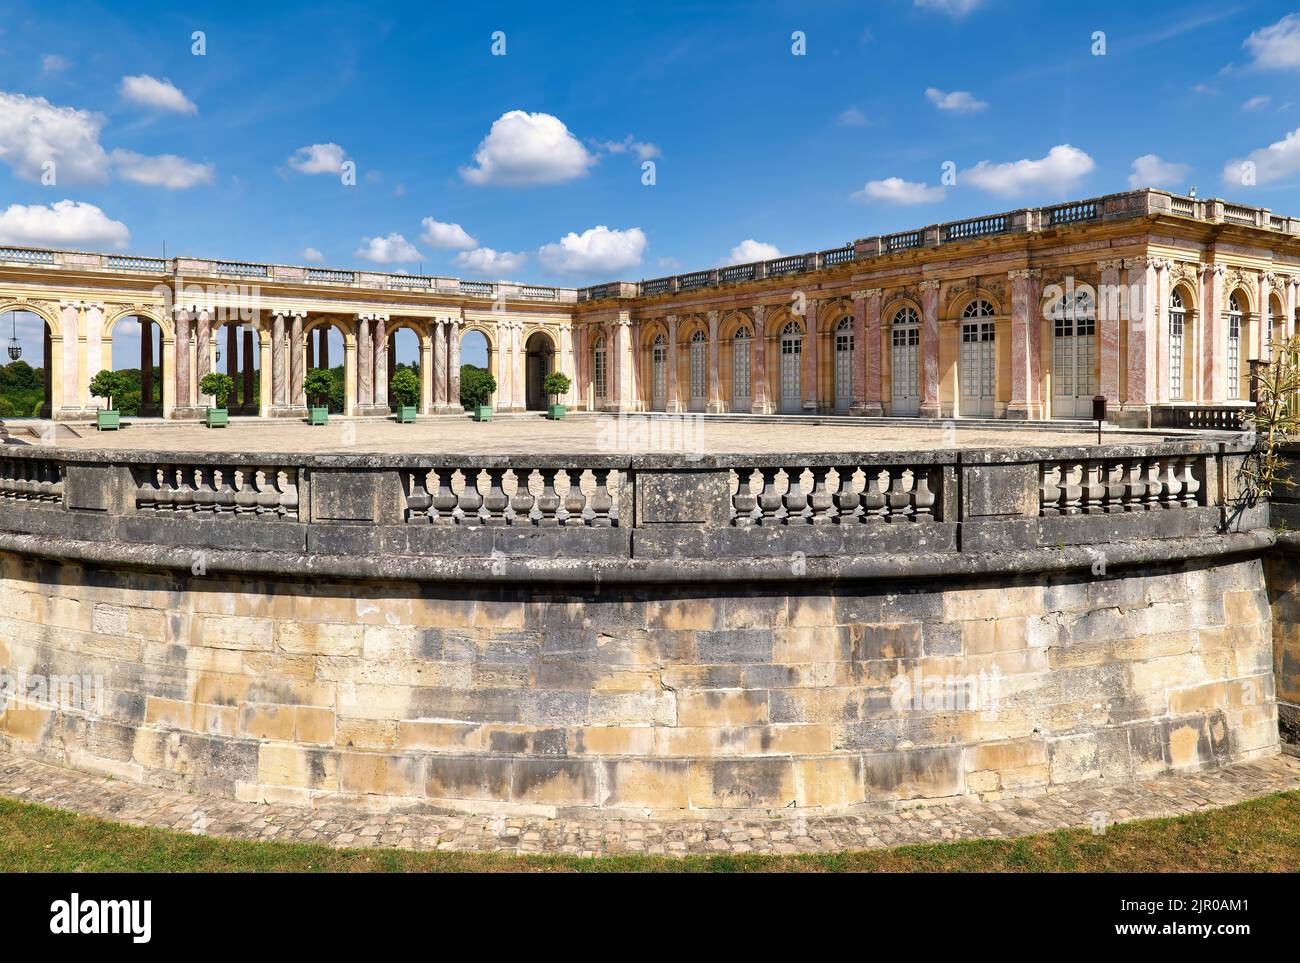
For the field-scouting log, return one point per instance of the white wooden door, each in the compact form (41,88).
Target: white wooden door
(978,372)
(905,372)
(844,366)
(791,362)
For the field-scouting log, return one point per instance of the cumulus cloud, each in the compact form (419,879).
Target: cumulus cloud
(484,260)
(1151,170)
(318,159)
(1062,169)
(954,8)
(62,224)
(895,190)
(393,249)
(156,94)
(1276,47)
(312,256)
(594,251)
(523,149)
(444,235)
(34,131)
(1275,162)
(751,250)
(165,170)
(957,101)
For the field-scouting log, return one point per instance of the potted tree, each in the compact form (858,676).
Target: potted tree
(476,389)
(555,384)
(317,385)
(406,392)
(219,386)
(105,385)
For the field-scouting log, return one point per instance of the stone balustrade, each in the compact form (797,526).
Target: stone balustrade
(32,480)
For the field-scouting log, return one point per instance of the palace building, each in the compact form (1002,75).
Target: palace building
(1155,301)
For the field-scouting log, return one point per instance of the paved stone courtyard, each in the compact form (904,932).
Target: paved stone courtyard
(528,435)
(35,782)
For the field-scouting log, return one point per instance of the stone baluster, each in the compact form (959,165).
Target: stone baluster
(205,490)
(769,498)
(900,499)
(1151,470)
(287,482)
(1094,488)
(443,506)
(245,491)
(923,497)
(1191,484)
(1049,489)
(548,502)
(1071,488)
(1136,488)
(821,501)
(1113,474)
(495,501)
(147,489)
(183,491)
(875,498)
(268,498)
(574,501)
(418,498)
(847,501)
(795,498)
(744,503)
(521,505)
(601,501)
(1171,483)
(470,500)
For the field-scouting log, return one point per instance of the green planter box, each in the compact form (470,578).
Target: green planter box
(108,420)
(483,413)
(555,412)
(218,418)
(318,416)
(405,414)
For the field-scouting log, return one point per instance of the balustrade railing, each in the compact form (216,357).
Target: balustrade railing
(833,495)
(123,262)
(330,275)
(231,491)
(480,289)
(839,255)
(31,480)
(241,269)
(976,227)
(1073,213)
(26,255)
(903,241)
(1111,486)
(541,497)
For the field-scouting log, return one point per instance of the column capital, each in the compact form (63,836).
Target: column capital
(867,293)
(930,284)
(289,312)
(1024,273)
(373,316)
(1218,270)
(1114,264)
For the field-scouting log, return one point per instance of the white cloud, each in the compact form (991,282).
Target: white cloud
(595,250)
(157,94)
(852,117)
(523,148)
(1275,162)
(393,249)
(63,224)
(895,190)
(484,260)
(34,131)
(1151,170)
(958,101)
(444,235)
(312,256)
(1276,47)
(1062,168)
(954,8)
(165,170)
(1257,103)
(318,159)
(54,63)
(643,150)
(750,250)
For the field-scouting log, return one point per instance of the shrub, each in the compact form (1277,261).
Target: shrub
(476,386)
(406,387)
(556,383)
(318,386)
(106,384)
(218,385)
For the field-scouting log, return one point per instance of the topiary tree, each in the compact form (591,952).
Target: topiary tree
(406,387)
(218,385)
(317,385)
(476,386)
(556,383)
(106,384)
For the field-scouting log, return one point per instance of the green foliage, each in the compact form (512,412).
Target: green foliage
(556,383)
(22,390)
(108,383)
(406,387)
(476,386)
(20,375)
(319,385)
(218,385)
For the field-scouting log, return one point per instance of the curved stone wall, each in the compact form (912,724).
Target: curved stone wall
(654,698)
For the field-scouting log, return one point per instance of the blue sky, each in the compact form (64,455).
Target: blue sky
(475,165)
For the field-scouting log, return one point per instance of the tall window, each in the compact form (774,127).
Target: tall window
(659,383)
(699,369)
(905,340)
(978,309)
(1234,347)
(740,368)
(1177,327)
(599,367)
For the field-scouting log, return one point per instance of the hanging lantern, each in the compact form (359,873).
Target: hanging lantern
(15,347)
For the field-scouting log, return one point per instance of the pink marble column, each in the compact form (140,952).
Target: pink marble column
(758,362)
(1025,367)
(203,356)
(930,407)
(441,382)
(183,321)
(623,341)
(379,361)
(581,380)
(872,300)
(1147,316)
(715,375)
(1158,314)
(453,366)
(520,380)
(674,398)
(810,358)
(365,364)
(1109,311)
(1214,336)
(277,359)
(1265,326)
(297,347)
(634,365)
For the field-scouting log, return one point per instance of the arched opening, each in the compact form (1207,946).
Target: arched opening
(238,354)
(791,368)
(741,373)
(1237,359)
(904,362)
(1179,355)
(136,352)
(659,372)
(599,371)
(26,380)
(699,361)
(476,359)
(404,355)
(324,349)
(1074,355)
(844,364)
(978,364)
(539,361)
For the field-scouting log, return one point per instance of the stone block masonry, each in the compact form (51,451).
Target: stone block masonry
(671,699)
